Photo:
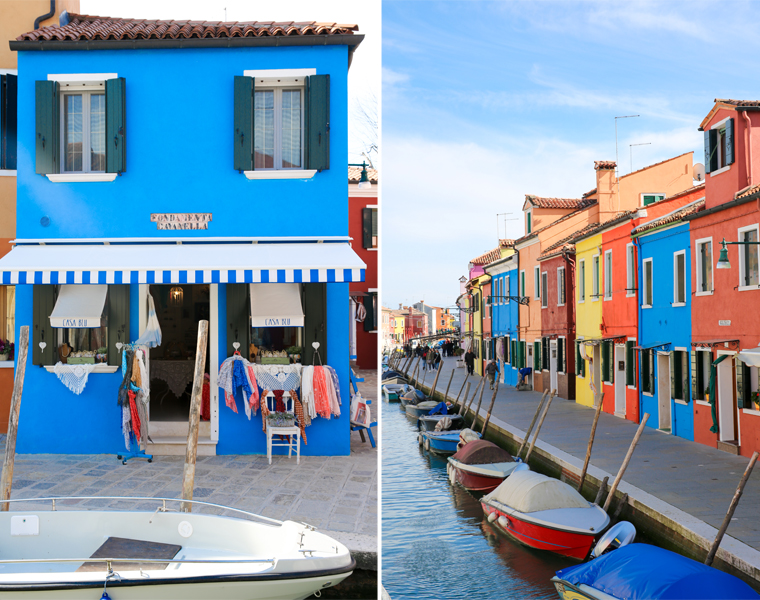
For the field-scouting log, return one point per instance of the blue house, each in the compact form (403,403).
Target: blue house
(199,168)
(664,283)
(504,322)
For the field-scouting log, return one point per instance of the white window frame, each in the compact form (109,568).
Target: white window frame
(607,275)
(595,277)
(644,282)
(582,281)
(630,270)
(698,267)
(561,288)
(506,285)
(676,302)
(722,125)
(521,283)
(529,219)
(740,232)
(544,290)
(536,282)
(641,198)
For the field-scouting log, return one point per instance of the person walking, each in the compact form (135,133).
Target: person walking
(437,360)
(491,369)
(469,360)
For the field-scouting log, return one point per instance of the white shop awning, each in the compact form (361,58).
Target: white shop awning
(117,263)
(276,305)
(79,306)
(750,357)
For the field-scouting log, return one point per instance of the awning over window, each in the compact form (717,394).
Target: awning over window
(651,346)
(733,344)
(181,263)
(276,305)
(79,306)
(618,339)
(750,357)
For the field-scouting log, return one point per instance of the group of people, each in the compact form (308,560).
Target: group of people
(492,368)
(431,358)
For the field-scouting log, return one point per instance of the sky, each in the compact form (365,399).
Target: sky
(363,77)
(484,102)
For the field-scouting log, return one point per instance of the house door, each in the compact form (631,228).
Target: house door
(663,392)
(552,365)
(597,374)
(726,402)
(620,381)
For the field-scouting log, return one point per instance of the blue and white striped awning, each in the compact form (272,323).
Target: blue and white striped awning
(181,263)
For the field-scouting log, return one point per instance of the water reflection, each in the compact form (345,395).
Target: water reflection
(436,543)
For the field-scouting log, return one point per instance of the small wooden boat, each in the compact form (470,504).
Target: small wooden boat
(545,513)
(440,442)
(429,422)
(393,377)
(162,553)
(638,571)
(411,397)
(415,411)
(480,466)
(392,392)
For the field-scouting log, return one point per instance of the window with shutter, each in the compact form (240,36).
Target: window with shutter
(582,281)
(370,305)
(679,278)
(118,320)
(743,385)
(544,290)
(719,146)
(536,355)
(8,119)
(561,355)
(43,303)
(648,292)
(630,364)
(47,127)
(315,322)
(115,143)
(238,317)
(704,266)
(523,354)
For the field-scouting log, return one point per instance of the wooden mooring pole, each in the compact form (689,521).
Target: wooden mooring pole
(462,410)
(490,408)
(480,401)
(188,475)
(591,441)
(6,480)
(446,394)
(540,424)
(627,459)
(464,401)
(435,383)
(731,509)
(532,423)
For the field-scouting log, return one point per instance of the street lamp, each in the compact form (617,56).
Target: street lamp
(364,182)
(723,256)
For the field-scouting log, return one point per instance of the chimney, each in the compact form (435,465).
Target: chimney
(400,306)
(606,191)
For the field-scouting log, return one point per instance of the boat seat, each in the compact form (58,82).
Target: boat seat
(115,547)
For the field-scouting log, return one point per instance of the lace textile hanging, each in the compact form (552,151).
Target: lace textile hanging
(73,377)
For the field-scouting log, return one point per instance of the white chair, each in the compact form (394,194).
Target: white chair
(292,434)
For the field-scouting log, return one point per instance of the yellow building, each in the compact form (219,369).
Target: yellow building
(588,315)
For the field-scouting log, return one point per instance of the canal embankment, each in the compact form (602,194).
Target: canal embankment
(678,491)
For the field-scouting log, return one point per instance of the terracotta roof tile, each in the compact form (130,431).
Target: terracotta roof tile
(753,190)
(533,234)
(592,228)
(672,217)
(572,203)
(506,243)
(604,164)
(86,27)
(487,257)
(355,175)
(589,193)
(737,102)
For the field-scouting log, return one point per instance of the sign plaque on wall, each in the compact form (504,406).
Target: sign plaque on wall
(724,323)
(181,220)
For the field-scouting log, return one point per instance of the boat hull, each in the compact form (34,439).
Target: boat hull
(428,423)
(441,444)
(567,591)
(557,540)
(475,482)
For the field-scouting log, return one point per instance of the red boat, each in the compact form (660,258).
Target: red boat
(480,466)
(545,513)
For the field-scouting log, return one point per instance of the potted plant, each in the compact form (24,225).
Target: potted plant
(707,394)
(6,350)
(755,398)
(281,419)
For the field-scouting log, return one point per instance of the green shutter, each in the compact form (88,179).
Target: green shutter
(711,140)
(645,371)
(47,124)
(116,125)
(318,122)
(696,393)
(707,151)
(560,357)
(605,362)
(730,141)
(536,355)
(742,386)
(523,354)
(367,227)
(43,303)
(529,229)
(238,318)
(369,320)
(243,117)
(315,321)
(673,378)
(118,321)
(651,355)
(513,355)
(8,119)
(629,364)
(685,375)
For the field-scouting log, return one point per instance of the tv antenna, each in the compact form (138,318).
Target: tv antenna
(505,215)
(630,147)
(617,173)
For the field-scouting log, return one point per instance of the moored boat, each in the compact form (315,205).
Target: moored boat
(413,396)
(391,376)
(545,513)
(641,571)
(429,422)
(392,392)
(440,442)
(415,411)
(480,466)
(162,553)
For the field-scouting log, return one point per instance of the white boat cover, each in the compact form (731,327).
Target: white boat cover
(750,357)
(79,306)
(528,491)
(276,305)
(468,435)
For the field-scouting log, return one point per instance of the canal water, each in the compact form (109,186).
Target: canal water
(436,544)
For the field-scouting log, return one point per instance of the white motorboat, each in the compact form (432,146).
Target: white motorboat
(75,554)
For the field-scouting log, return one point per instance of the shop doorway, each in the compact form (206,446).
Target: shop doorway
(620,381)
(726,402)
(179,308)
(663,392)
(552,365)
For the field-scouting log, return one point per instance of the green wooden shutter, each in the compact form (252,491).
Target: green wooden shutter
(43,303)
(685,375)
(536,355)
(369,320)
(673,379)
(514,359)
(529,228)
(605,362)
(696,392)
(8,118)
(630,371)
(707,151)
(730,141)
(315,321)
(318,122)
(712,137)
(243,123)
(523,354)
(238,318)
(742,385)
(560,356)
(367,227)
(118,321)
(47,125)
(651,355)
(116,125)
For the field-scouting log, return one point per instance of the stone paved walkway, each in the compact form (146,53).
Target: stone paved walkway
(335,494)
(694,478)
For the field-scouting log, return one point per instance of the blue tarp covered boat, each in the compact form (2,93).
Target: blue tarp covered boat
(644,572)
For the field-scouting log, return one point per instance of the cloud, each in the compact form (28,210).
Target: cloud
(391,77)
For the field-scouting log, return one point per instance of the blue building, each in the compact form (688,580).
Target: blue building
(664,284)
(504,322)
(198,165)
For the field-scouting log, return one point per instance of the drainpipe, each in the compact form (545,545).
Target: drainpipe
(41,18)
(748,147)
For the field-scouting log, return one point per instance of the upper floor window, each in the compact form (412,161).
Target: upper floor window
(561,286)
(528,222)
(748,257)
(522,283)
(608,274)
(647,199)
(719,146)
(369,227)
(595,278)
(282,121)
(630,270)
(544,290)
(582,281)
(704,266)
(679,277)
(537,282)
(83,135)
(8,104)
(648,283)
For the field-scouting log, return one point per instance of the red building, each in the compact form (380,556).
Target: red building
(725,316)
(363,228)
